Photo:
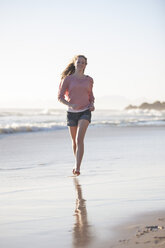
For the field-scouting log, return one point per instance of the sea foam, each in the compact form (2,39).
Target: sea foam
(34,120)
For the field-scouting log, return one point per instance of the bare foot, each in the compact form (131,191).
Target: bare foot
(76,172)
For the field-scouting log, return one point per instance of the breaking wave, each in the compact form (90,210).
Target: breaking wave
(18,121)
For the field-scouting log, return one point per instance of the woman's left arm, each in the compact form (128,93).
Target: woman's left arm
(91,97)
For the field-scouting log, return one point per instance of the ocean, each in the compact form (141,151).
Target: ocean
(34,120)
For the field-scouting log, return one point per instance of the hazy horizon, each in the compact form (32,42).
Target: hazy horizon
(114,102)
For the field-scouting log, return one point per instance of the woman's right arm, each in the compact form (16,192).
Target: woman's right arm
(63,88)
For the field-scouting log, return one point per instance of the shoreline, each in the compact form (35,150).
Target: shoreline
(91,126)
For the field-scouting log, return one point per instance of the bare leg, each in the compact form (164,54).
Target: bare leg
(73,132)
(82,127)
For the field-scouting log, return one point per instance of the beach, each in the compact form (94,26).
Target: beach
(144,231)
(120,190)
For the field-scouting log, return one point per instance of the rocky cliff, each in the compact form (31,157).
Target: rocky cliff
(156,105)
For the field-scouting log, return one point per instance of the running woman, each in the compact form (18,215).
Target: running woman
(75,91)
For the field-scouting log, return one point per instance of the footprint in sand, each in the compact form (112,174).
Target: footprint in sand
(159,240)
(161,219)
(124,241)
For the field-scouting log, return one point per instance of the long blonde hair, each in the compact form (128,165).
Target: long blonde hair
(70,69)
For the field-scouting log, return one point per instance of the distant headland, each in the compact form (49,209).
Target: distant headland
(156,106)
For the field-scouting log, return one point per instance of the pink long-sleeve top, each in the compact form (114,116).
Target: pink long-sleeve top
(77,91)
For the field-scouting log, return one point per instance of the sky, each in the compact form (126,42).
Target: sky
(122,39)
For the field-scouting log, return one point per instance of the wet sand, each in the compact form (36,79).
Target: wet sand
(144,231)
(122,176)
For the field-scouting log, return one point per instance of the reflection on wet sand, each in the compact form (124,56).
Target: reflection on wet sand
(81,231)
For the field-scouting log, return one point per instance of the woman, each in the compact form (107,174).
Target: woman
(75,91)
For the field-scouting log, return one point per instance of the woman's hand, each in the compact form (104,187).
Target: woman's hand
(92,108)
(73,106)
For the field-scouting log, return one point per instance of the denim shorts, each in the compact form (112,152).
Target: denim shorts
(73,118)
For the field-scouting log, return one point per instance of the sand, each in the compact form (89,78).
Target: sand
(122,178)
(145,231)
